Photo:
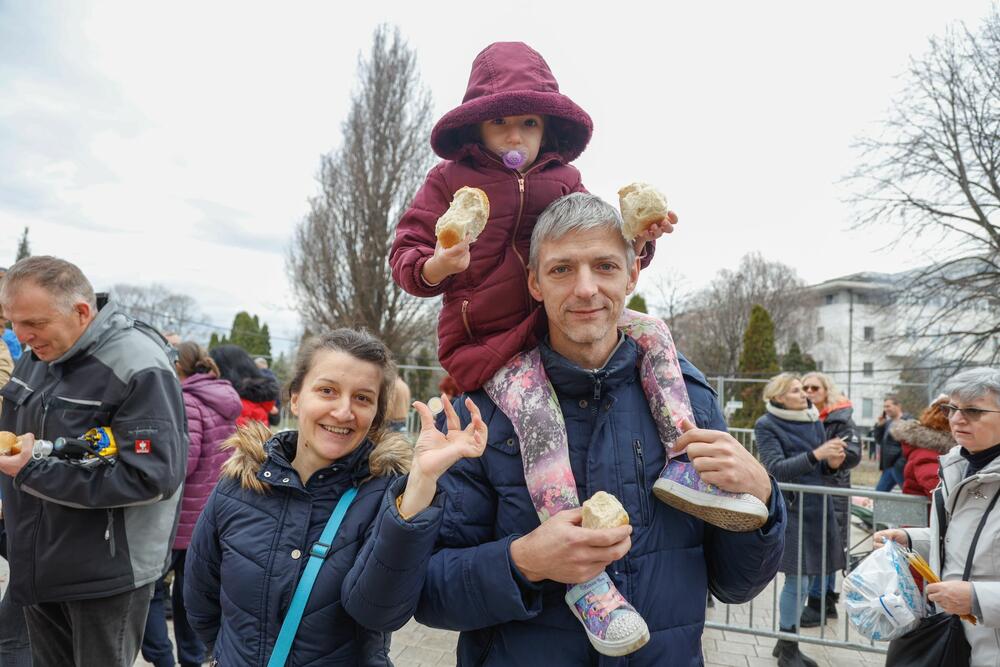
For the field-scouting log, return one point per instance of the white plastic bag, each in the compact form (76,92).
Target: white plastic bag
(880,596)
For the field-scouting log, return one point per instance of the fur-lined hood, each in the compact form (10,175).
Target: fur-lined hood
(915,434)
(253,442)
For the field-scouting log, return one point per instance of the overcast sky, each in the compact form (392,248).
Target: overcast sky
(178,142)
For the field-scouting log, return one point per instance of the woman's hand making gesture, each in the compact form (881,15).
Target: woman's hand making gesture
(435,452)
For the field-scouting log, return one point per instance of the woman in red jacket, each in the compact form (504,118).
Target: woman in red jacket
(924,440)
(257,391)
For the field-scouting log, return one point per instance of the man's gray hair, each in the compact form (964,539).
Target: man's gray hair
(975,383)
(63,280)
(576,212)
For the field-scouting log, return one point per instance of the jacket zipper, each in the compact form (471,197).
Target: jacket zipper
(109,532)
(640,477)
(520,212)
(465,318)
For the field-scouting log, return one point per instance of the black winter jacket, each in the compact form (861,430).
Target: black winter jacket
(79,532)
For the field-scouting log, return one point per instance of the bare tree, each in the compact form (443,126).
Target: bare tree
(669,293)
(338,260)
(710,329)
(159,307)
(935,171)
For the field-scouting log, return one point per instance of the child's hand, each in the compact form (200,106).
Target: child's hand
(655,231)
(446,262)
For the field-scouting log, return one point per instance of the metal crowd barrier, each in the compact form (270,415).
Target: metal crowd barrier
(887,510)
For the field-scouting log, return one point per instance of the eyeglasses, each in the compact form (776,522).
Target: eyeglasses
(811,387)
(972,414)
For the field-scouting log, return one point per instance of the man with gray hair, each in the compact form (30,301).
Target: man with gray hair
(515,571)
(87,534)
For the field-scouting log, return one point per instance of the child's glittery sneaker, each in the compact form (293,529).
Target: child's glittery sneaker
(681,487)
(613,626)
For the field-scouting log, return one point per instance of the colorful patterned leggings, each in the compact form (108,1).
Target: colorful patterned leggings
(524,394)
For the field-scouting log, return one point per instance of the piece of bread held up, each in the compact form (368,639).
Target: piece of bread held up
(603,510)
(9,444)
(641,206)
(465,218)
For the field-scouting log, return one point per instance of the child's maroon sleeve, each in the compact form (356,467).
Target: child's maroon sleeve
(415,239)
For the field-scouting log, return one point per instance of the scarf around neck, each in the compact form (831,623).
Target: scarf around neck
(810,414)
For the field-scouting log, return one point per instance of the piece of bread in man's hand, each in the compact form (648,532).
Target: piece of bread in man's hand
(641,206)
(604,511)
(9,444)
(465,218)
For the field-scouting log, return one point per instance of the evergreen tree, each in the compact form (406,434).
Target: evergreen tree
(216,340)
(795,361)
(23,247)
(248,333)
(758,360)
(637,303)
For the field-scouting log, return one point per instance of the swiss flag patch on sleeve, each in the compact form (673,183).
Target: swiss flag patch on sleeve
(143,446)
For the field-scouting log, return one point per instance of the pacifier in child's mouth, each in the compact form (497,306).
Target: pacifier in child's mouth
(514,159)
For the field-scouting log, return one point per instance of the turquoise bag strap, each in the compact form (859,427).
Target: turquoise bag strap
(317,554)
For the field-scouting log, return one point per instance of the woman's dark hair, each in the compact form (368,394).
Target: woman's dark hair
(238,368)
(362,346)
(193,358)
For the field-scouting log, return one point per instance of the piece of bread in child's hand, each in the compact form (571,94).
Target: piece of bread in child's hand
(9,444)
(464,219)
(604,511)
(641,206)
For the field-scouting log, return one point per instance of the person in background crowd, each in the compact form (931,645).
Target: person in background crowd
(892,461)
(793,446)
(970,482)
(87,542)
(448,387)
(274,416)
(836,414)
(15,649)
(6,367)
(276,494)
(212,407)
(13,344)
(399,406)
(924,441)
(257,390)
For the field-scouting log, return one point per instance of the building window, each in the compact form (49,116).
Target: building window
(830,298)
(869,369)
(819,334)
(869,334)
(867,408)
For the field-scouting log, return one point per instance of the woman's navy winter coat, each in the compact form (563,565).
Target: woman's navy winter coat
(473,586)
(784,447)
(251,545)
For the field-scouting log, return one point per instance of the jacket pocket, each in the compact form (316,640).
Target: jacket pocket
(109,532)
(640,479)
(467,318)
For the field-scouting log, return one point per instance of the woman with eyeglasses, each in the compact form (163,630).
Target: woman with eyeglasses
(970,483)
(793,446)
(837,415)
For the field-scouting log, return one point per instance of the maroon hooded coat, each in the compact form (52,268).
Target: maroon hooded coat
(487,315)
(212,407)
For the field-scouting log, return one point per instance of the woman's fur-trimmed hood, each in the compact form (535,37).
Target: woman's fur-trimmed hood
(917,435)
(391,455)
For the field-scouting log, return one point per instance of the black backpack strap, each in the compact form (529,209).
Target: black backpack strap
(942,523)
(975,538)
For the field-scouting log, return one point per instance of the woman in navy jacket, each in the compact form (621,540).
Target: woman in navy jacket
(792,445)
(277,493)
